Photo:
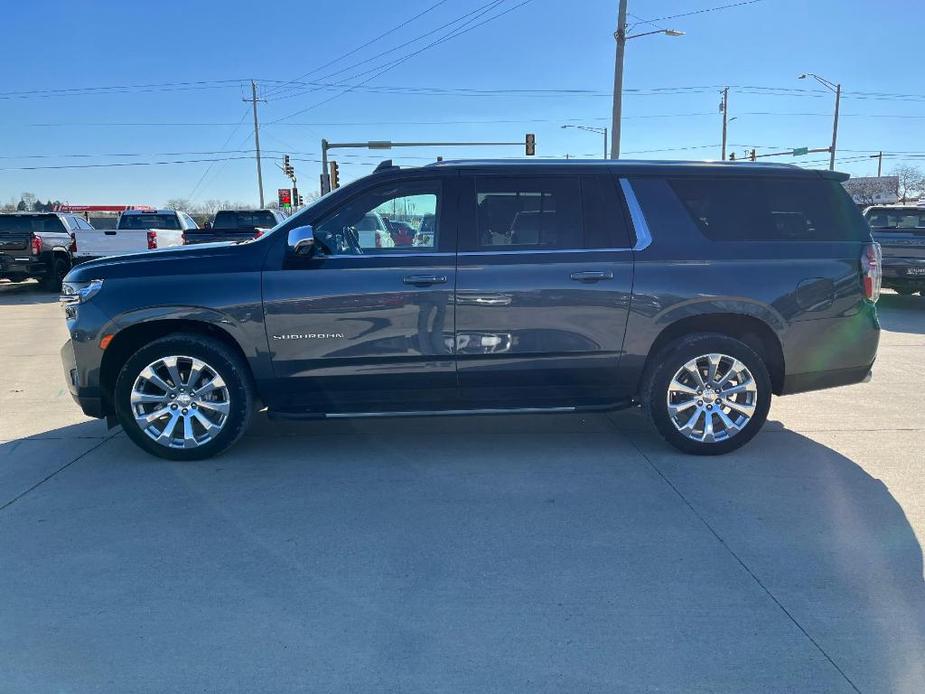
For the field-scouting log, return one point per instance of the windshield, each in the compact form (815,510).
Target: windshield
(149,221)
(244,219)
(899,219)
(30,223)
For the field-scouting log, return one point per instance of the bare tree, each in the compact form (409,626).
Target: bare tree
(911,180)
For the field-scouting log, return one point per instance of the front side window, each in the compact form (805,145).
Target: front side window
(528,213)
(396,217)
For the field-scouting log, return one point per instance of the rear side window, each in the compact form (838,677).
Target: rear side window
(771,209)
(528,213)
(605,222)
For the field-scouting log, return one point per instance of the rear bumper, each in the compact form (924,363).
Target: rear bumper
(87,397)
(18,266)
(818,380)
(902,272)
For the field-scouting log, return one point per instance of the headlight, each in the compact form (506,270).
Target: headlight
(79,292)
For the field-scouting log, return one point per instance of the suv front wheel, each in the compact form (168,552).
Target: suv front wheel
(707,394)
(184,397)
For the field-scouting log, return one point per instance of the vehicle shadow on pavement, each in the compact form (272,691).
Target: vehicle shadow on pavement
(578,553)
(902,314)
(12,293)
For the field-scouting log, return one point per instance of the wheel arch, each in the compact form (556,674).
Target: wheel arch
(130,339)
(748,328)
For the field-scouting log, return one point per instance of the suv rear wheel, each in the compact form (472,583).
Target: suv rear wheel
(184,397)
(707,394)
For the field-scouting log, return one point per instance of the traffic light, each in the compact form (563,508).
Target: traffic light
(753,155)
(300,200)
(531,144)
(335,175)
(287,166)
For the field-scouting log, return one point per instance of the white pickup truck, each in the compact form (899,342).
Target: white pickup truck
(137,230)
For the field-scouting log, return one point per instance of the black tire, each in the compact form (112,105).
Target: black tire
(671,359)
(57,269)
(223,360)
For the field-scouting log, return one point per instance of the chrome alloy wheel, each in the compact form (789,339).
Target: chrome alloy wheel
(180,402)
(712,398)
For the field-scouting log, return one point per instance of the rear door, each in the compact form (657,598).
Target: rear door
(901,235)
(361,327)
(545,275)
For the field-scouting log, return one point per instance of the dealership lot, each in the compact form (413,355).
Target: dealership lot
(553,553)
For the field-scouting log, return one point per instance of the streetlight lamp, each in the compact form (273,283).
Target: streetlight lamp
(592,129)
(621,36)
(833,87)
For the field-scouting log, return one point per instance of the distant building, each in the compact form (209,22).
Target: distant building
(874,190)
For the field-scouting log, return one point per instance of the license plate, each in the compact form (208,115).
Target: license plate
(915,271)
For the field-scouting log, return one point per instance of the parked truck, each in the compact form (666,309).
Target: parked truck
(237,225)
(137,230)
(38,245)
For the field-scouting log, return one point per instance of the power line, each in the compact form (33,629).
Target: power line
(703,11)
(452,35)
(358,48)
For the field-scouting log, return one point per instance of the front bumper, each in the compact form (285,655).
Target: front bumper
(87,397)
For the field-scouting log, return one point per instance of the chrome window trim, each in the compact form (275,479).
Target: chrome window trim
(548,250)
(640,226)
(449,254)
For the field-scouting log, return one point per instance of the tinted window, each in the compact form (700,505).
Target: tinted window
(528,213)
(149,221)
(896,219)
(771,209)
(31,222)
(396,217)
(605,221)
(244,219)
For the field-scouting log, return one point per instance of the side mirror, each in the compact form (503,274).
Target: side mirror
(302,241)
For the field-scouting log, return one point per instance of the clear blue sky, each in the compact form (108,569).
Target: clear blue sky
(544,45)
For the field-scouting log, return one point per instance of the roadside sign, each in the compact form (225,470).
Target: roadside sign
(800,151)
(285,196)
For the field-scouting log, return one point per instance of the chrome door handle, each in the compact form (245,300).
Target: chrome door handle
(591,276)
(423,280)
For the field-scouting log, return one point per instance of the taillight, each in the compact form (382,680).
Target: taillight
(872,270)
(36,245)
(73,247)
(152,240)
(258,233)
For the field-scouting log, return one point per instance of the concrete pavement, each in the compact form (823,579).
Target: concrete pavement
(506,554)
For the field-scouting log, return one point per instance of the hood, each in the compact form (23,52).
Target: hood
(221,256)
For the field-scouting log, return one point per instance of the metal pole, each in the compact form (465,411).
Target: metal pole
(620,36)
(879,164)
(835,127)
(725,118)
(605,143)
(325,181)
(257,140)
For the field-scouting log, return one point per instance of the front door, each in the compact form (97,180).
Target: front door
(366,323)
(545,275)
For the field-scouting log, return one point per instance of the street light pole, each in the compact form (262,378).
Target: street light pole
(833,87)
(592,129)
(620,36)
(725,109)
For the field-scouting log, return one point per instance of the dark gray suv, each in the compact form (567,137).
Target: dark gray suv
(695,290)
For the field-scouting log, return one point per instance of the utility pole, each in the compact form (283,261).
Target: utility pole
(724,107)
(879,158)
(254,101)
(620,36)
(835,127)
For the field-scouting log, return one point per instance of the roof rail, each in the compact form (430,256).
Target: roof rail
(385,166)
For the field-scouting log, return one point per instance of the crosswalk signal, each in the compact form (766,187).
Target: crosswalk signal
(531,144)
(335,175)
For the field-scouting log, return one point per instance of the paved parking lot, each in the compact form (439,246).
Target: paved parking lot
(507,554)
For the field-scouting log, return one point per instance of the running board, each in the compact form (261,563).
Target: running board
(284,414)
